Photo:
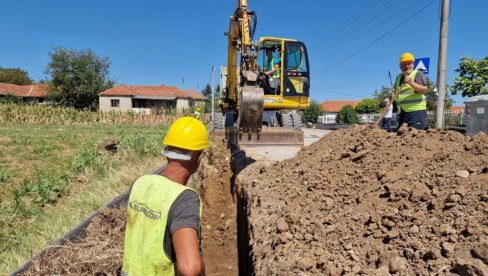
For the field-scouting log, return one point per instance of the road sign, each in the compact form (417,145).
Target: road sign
(422,64)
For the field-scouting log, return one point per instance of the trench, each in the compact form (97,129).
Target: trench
(226,231)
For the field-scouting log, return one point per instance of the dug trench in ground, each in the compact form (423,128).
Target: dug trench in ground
(99,250)
(362,201)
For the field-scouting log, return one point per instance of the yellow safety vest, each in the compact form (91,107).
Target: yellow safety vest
(150,200)
(408,100)
(267,64)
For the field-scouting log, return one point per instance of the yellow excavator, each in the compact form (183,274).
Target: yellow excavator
(267,83)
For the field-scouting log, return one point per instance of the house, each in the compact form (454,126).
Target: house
(143,98)
(331,108)
(34,93)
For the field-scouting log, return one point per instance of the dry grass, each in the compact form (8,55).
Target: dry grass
(49,115)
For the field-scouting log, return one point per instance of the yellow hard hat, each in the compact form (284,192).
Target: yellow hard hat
(187,133)
(198,108)
(407,57)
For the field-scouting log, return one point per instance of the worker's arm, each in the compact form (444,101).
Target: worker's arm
(419,88)
(188,259)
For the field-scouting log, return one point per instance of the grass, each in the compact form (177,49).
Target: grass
(53,176)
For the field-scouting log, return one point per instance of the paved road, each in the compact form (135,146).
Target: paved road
(279,153)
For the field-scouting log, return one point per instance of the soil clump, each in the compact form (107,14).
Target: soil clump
(362,201)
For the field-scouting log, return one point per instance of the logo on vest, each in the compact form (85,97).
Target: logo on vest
(141,208)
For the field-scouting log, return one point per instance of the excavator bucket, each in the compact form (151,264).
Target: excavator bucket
(279,136)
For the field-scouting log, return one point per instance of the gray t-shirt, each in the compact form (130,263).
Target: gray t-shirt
(184,213)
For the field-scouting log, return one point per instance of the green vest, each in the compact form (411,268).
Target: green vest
(150,200)
(408,100)
(267,64)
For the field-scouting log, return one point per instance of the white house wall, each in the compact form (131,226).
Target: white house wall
(125,103)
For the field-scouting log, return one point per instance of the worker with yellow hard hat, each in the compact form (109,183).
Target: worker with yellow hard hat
(163,227)
(411,86)
(197,113)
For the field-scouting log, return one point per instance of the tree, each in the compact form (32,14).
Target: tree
(473,77)
(207,92)
(347,115)
(368,106)
(312,113)
(77,77)
(382,94)
(431,97)
(14,76)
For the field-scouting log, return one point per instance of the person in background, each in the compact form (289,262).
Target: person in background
(411,85)
(197,113)
(163,227)
(388,115)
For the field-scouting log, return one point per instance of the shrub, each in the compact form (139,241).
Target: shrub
(312,113)
(347,115)
(368,106)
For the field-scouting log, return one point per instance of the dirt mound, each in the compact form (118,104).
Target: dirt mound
(363,201)
(99,253)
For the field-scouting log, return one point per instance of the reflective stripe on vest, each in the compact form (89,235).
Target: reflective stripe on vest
(408,100)
(150,200)
(276,75)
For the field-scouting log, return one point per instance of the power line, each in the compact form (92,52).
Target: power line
(355,38)
(361,23)
(378,39)
(343,25)
(332,91)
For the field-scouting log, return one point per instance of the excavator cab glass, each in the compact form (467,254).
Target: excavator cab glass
(296,74)
(270,58)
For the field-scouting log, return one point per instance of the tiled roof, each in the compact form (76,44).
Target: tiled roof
(335,106)
(144,90)
(457,108)
(29,91)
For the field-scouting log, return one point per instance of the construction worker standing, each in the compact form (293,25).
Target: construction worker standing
(163,227)
(197,113)
(411,85)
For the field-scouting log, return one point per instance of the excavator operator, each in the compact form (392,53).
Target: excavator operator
(271,72)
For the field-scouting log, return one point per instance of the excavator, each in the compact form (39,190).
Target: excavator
(266,83)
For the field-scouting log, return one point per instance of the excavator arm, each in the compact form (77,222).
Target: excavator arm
(244,95)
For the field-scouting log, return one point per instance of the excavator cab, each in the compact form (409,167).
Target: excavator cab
(285,81)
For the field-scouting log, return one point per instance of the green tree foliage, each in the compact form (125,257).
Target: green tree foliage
(431,97)
(207,92)
(347,115)
(14,76)
(473,77)
(382,94)
(312,113)
(77,77)
(368,106)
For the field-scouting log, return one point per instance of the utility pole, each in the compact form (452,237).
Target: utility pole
(442,64)
(213,70)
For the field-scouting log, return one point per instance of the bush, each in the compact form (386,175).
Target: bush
(368,106)
(347,115)
(312,113)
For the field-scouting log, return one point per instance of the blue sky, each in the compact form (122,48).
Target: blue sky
(164,42)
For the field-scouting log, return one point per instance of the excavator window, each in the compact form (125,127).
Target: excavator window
(296,75)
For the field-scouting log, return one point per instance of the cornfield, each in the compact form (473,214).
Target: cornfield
(37,114)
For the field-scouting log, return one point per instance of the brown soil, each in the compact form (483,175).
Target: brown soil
(363,201)
(101,251)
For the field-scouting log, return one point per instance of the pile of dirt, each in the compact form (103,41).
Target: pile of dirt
(364,201)
(99,253)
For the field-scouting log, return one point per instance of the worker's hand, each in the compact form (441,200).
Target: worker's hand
(407,79)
